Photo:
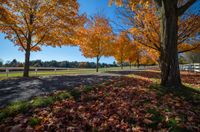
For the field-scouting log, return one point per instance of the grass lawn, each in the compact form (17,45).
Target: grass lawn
(61,72)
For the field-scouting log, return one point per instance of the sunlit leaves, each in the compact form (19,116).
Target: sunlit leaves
(96,37)
(39,22)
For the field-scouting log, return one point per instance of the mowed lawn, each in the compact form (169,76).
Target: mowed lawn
(11,74)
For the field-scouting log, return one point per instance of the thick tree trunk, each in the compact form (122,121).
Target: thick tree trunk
(170,74)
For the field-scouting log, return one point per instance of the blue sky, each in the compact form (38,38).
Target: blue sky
(9,52)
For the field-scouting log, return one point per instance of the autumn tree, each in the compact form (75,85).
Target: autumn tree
(169,12)
(120,48)
(139,54)
(132,55)
(96,38)
(35,23)
(145,22)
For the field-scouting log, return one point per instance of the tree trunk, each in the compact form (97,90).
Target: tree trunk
(97,65)
(170,74)
(130,65)
(28,49)
(138,63)
(121,65)
(27,63)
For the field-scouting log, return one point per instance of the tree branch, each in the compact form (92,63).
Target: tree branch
(39,41)
(18,38)
(183,8)
(189,49)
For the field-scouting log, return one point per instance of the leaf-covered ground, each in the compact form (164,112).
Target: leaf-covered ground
(187,77)
(119,104)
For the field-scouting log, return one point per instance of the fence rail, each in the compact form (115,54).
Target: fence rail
(195,67)
(6,71)
(9,70)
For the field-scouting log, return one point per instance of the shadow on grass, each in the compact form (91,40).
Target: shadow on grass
(12,90)
(144,73)
(189,93)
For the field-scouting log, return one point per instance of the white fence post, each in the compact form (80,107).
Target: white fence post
(36,71)
(55,70)
(7,71)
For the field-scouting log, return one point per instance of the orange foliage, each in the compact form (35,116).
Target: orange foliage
(121,46)
(145,29)
(96,38)
(30,24)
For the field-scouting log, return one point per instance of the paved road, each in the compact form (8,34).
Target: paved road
(25,88)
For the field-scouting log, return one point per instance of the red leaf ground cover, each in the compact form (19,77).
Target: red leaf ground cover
(120,104)
(187,77)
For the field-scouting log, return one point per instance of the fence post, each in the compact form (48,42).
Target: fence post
(36,71)
(7,71)
(55,70)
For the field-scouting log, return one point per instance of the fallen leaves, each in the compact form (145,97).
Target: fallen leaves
(121,104)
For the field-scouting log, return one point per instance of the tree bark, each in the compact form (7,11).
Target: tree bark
(138,63)
(170,73)
(97,65)
(122,65)
(28,49)
(27,62)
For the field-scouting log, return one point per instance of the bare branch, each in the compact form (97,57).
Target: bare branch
(182,9)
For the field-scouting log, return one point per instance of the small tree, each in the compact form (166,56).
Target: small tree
(120,48)
(96,38)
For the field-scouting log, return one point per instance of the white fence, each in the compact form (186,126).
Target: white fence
(7,70)
(195,67)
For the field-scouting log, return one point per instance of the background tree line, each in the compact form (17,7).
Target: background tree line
(54,63)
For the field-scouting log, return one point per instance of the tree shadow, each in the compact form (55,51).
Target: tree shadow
(12,90)
(147,74)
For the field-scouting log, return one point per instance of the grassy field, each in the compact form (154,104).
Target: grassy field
(61,72)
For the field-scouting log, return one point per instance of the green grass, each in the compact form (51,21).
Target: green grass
(61,72)
(87,88)
(63,95)
(23,106)
(34,121)
(42,101)
(14,108)
(189,93)
(156,118)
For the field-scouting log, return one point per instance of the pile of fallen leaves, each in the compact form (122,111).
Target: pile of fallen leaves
(121,104)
